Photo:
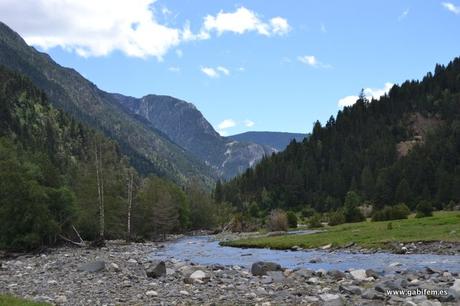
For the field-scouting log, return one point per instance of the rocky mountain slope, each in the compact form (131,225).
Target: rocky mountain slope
(276,140)
(184,124)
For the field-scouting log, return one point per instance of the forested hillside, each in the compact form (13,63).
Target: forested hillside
(402,148)
(56,174)
(148,150)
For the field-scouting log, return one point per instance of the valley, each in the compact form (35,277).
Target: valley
(140,199)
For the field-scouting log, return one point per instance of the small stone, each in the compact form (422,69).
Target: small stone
(394,264)
(52,282)
(331,299)
(132,261)
(326,247)
(92,267)
(316,260)
(60,299)
(114,267)
(455,289)
(151,293)
(261,268)
(183,292)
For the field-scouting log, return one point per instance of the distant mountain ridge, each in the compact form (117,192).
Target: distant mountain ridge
(276,140)
(184,124)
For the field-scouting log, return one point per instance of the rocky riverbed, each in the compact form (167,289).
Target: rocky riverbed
(123,275)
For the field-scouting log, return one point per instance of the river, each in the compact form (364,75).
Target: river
(205,250)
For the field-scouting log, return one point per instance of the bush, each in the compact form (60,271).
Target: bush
(292,219)
(336,218)
(400,211)
(277,221)
(315,221)
(424,209)
(351,210)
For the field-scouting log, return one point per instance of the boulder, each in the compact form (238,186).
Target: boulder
(197,277)
(156,269)
(92,267)
(359,274)
(331,299)
(336,274)
(262,267)
(455,289)
(350,289)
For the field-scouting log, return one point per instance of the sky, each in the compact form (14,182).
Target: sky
(247,65)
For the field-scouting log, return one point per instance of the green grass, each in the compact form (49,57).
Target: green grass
(8,300)
(442,226)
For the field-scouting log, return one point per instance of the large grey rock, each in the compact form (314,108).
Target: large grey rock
(336,274)
(455,289)
(197,277)
(92,267)
(156,269)
(262,267)
(350,289)
(359,274)
(331,299)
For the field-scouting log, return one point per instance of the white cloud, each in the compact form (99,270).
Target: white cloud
(210,72)
(309,60)
(280,26)
(451,7)
(403,15)
(91,28)
(370,93)
(215,72)
(249,123)
(226,124)
(323,28)
(347,101)
(244,20)
(223,70)
(312,61)
(98,28)
(174,69)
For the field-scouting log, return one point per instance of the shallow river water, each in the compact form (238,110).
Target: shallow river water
(205,250)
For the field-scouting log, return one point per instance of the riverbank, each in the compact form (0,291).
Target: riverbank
(439,234)
(123,275)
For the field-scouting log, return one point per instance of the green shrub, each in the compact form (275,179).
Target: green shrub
(400,211)
(336,218)
(351,210)
(424,209)
(315,221)
(292,219)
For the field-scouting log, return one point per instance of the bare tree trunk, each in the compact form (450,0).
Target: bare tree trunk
(100,191)
(130,203)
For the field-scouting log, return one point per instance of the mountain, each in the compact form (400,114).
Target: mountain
(160,134)
(276,140)
(149,150)
(184,124)
(402,148)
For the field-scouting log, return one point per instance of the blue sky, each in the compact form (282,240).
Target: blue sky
(247,65)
